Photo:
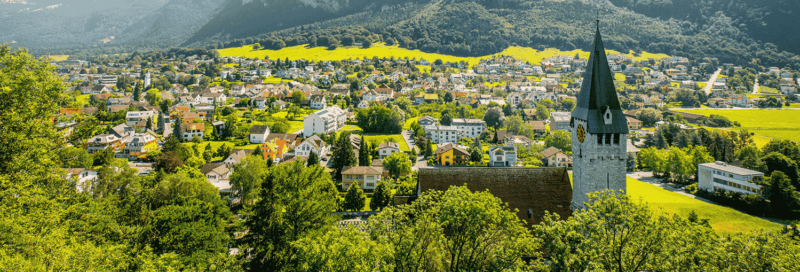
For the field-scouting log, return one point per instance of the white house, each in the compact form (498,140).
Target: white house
(190,131)
(218,174)
(367,177)
(83,178)
(502,156)
(388,148)
(134,117)
(259,134)
(318,102)
(323,121)
(312,144)
(363,104)
(722,176)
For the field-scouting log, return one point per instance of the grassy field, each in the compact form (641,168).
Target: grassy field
(381,50)
(772,123)
(273,80)
(721,218)
(619,77)
(216,144)
(59,57)
(409,121)
(768,90)
(702,85)
(385,138)
(351,128)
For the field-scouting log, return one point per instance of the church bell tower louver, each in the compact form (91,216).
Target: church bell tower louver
(599,131)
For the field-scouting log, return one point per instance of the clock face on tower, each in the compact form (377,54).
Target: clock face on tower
(581,133)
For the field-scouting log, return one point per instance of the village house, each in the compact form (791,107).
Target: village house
(323,121)
(84,178)
(450,154)
(469,128)
(554,157)
(503,156)
(367,177)
(387,148)
(560,121)
(258,134)
(633,123)
(438,134)
(312,144)
(722,176)
(192,130)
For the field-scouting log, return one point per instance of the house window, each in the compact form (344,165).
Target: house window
(370,184)
(599,139)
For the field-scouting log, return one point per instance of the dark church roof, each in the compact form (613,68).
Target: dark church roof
(526,189)
(598,94)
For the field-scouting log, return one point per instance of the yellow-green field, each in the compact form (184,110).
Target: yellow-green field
(409,121)
(273,80)
(768,90)
(59,57)
(721,218)
(619,77)
(385,138)
(702,85)
(381,50)
(772,123)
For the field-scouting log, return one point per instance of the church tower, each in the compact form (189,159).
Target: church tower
(599,131)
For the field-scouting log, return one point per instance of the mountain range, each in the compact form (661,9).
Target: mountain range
(731,30)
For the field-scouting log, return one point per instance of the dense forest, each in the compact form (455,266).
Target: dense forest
(475,28)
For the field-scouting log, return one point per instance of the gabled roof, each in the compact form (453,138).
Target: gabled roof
(551,151)
(257,129)
(598,94)
(389,145)
(448,146)
(362,170)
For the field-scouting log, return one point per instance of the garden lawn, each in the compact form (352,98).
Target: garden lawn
(83,99)
(771,123)
(702,85)
(767,90)
(722,219)
(619,77)
(216,144)
(398,138)
(351,128)
(381,50)
(409,121)
(59,57)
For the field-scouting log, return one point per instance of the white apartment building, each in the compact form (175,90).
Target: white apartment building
(720,175)
(469,128)
(441,134)
(323,121)
(134,117)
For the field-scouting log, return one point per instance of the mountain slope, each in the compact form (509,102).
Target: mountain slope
(171,24)
(245,18)
(766,21)
(483,27)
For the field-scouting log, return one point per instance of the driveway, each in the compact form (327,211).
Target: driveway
(755,87)
(711,81)
(407,136)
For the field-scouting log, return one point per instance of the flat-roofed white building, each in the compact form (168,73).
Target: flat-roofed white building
(469,128)
(722,176)
(441,134)
(323,121)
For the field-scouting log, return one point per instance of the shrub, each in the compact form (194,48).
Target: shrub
(692,188)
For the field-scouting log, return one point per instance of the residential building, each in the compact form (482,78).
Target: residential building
(235,157)
(427,121)
(722,176)
(503,156)
(218,174)
(740,100)
(323,121)
(388,148)
(139,145)
(469,128)
(134,117)
(718,103)
(84,178)
(554,157)
(560,121)
(633,123)
(102,142)
(258,134)
(312,144)
(538,127)
(450,154)
(367,177)
(441,134)
(318,101)
(192,130)
(363,104)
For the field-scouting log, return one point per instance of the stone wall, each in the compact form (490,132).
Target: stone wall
(596,167)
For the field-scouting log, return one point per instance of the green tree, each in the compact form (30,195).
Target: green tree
(456,230)
(560,139)
(246,178)
(778,162)
(648,116)
(153,97)
(104,157)
(176,129)
(381,197)
(343,154)
(208,153)
(542,112)
(784,198)
(295,202)
(313,159)
(355,199)
(493,117)
(74,157)
(364,157)
(396,164)
(447,119)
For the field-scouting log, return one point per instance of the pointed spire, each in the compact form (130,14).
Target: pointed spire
(598,94)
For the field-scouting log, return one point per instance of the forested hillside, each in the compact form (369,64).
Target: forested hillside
(474,28)
(766,21)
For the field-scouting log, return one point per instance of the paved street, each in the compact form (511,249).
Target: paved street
(755,87)
(711,81)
